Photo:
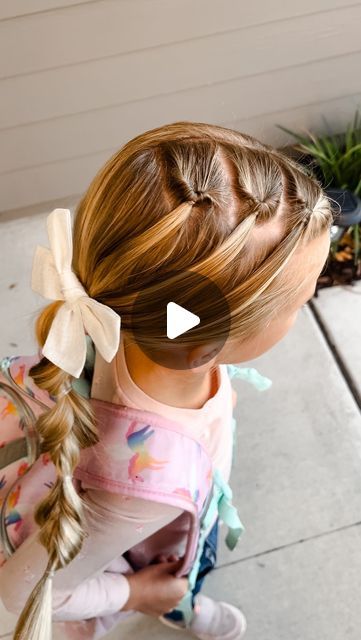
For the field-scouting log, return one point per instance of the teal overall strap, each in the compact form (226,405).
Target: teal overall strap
(227,511)
(185,605)
(251,375)
(220,502)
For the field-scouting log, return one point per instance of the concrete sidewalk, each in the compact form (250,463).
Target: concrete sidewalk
(297,476)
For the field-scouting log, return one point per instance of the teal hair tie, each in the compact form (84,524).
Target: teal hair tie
(251,375)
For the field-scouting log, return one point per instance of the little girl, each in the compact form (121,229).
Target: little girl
(186,198)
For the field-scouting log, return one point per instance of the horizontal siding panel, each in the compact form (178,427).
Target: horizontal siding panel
(181,66)
(339,113)
(71,177)
(16,8)
(111,27)
(50,182)
(93,131)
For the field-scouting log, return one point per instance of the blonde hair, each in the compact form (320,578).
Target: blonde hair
(186,195)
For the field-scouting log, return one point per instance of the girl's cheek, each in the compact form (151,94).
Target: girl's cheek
(294,318)
(283,329)
(291,320)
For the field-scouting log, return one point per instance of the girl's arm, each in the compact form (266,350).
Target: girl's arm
(83,589)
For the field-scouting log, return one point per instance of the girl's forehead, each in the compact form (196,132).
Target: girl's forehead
(314,255)
(307,263)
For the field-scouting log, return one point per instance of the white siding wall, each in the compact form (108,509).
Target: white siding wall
(78,78)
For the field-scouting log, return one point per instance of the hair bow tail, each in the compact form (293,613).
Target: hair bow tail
(60,238)
(103,325)
(44,276)
(65,345)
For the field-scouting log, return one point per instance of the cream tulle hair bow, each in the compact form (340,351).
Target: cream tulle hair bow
(53,277)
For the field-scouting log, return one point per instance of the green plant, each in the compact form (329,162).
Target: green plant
(337,155)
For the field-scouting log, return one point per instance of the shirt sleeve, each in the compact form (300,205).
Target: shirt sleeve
(84,588)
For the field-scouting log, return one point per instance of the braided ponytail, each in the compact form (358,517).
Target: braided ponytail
(63,430)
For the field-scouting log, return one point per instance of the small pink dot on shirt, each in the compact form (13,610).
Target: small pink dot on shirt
(139,528)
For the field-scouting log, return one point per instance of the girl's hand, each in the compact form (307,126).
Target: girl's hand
(154,590)
(161,557)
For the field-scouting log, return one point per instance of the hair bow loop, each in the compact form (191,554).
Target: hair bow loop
(53,278)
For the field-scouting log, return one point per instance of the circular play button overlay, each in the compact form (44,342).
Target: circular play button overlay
(181,311)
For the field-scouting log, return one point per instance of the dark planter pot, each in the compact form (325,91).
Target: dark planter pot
(347,208)
(347,212)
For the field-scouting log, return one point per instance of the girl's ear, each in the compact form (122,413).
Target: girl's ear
(202,357)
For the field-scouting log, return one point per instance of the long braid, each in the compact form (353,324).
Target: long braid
(65,429)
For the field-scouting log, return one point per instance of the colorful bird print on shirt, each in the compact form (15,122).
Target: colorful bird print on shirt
(14,516)
(21,381)
(9,409)
(22,468)
(141,459)
(46,458)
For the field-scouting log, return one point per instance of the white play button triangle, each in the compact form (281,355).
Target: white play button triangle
(179,320)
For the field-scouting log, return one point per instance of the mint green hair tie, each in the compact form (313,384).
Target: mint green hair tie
(251,375)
